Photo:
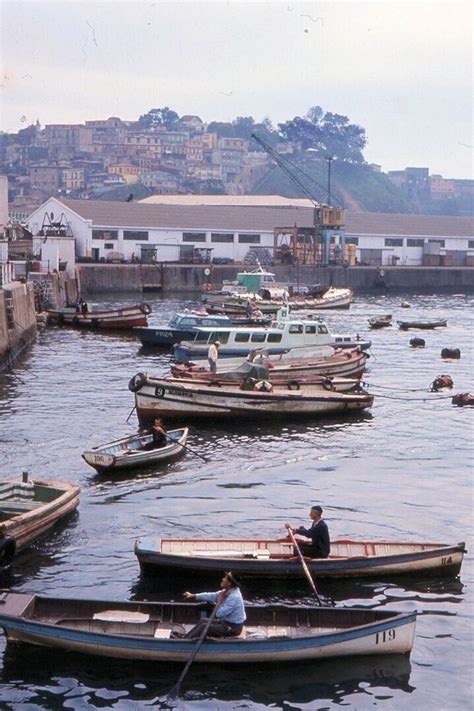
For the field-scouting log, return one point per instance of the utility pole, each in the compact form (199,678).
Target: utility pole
(329,160)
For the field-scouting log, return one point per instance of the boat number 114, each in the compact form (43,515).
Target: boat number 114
(385,636)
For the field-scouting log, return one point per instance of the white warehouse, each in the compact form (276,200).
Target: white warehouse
(227,227)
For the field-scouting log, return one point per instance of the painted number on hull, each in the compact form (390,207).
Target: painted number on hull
(385,636)
(446,561)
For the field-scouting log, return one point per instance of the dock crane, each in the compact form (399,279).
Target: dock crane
(328,221)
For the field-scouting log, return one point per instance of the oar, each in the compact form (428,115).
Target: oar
(184,446)
(174,693)
(131,413)
(303,563)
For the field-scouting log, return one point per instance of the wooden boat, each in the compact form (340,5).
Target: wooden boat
(261,558)
(295,363)
(282,335)
(30,508)
(183,326)
(380,321)
(251,375)
(128,453)
(159,397)
(330,298)
(141,630)
(127,317)
(423,325)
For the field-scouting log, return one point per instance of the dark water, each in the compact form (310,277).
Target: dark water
(402,471)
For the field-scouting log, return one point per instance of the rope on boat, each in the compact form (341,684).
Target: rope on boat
(415,399)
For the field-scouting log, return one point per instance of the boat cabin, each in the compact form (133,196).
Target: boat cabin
(191,321)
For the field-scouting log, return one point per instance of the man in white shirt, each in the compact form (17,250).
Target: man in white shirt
(212,355)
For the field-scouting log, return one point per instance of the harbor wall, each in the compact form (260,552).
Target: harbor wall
(17,321)
(188,278)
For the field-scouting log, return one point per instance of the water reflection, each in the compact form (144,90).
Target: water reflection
(101,682)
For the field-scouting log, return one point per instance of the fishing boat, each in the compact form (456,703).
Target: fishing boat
(173,399)
(183,326)
(141,630)
(282,335)
(380,321)
(125,318)
(129,452)
(29,508)
(423,325)
(263,558)
(250,376)
(295,363)
(259,288)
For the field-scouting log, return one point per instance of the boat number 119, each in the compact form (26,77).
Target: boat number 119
(385,636)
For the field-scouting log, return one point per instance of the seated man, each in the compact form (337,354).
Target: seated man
(230,614)
(320,545)
(159,435)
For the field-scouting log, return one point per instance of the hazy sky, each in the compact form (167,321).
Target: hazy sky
(402,70)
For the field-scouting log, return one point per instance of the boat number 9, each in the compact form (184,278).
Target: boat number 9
(159,392)
(385,636)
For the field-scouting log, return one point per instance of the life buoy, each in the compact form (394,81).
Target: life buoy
(145,309)
(293,385)
(7,551)
(382,272)
(452,353)
(137,382)
(327,384)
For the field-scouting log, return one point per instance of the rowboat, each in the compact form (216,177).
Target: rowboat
(159,397)
(249,375)
(380,321)
(141,630)
(129,452)
(295,363)
(282,335)
(423,325)
(260,558)
(127,317)
(183,326)
(30,508)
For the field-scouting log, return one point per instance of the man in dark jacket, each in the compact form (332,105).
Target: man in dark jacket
(320,545)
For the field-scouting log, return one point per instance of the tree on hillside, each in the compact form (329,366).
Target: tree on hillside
(157,118)
(222,128)
(327,133)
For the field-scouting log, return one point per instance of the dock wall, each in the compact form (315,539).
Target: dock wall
(188,278)
(17,321)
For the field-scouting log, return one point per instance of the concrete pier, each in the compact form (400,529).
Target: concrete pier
(17,321)
(188,278)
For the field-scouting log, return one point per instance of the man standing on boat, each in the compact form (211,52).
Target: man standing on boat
(212,355)
(229,615)
(320,545)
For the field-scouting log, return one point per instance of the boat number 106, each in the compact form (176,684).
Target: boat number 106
(385,636)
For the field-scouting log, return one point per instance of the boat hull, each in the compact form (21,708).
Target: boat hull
(113,319)
(128,454)
(52,501)
(161,398)
(249,560)
(291,634)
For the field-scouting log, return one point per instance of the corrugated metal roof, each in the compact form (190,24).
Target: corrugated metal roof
(259,218)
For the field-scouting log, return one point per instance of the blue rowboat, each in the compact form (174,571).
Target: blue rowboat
(129,452)
(258,558)
(141,630)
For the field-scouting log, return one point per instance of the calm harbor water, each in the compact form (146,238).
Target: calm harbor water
(401,471)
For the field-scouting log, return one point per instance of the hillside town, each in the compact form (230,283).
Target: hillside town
(161,153)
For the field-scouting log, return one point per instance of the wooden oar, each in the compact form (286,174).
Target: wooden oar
(131,413)
(303,563)
(185,446)
(174,693)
